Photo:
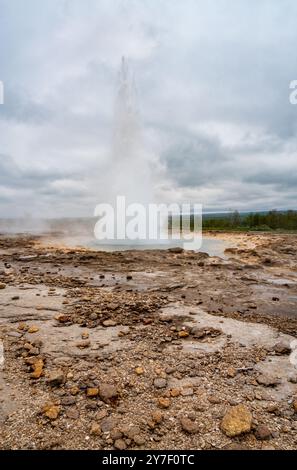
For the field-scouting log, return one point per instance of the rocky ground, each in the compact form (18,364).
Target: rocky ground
(149,350)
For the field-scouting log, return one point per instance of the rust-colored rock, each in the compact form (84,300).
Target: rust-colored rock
(37,367)
(51,411)
(183,334)
(157,417)
(92,392)
(164,402)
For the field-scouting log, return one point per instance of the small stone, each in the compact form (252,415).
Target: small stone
(72,413)
(160,383)
(120,444)
(102,414)
(139,440)
(74,390)
(56,378)
(268,381)
(62,318)
(189,426)
(93,316)
(109,423)
(37,367)
(139,370)
(272,408)
(116,434)
(22,326)
(83,344)
(294,404)
(51,411)
(85,335)
(176,250)
(231,372)
(131,431)
(91,406)
(15,297)
(170,370)
(214,400)
(108,393)
(92,392)
(175,392)
(109,323)
(286,429)
(183,334)
(200,333)
(2,285)
(283,347)
(129,277)
(68,401)
(157,417)
(237,420)
(262,432)
(33,329)
(164,402)
(293,377)
(95,429)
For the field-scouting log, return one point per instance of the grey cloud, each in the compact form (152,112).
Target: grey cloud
(195,63)
(13,176)
(282,179)
(195,161)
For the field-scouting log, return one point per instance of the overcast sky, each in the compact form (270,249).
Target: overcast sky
(213,87)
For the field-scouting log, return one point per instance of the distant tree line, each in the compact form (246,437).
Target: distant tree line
(272,220)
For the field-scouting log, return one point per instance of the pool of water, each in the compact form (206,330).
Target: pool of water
(211,246)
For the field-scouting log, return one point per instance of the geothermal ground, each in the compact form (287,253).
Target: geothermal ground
(150,349)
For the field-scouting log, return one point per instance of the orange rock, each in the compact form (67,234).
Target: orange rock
(231,372)
(175,392)
(92,392)
(139,370)
(157,417)
(37,367)
(237,421)
(183,334)
(33,329)
(62,318)
(164,402)
(51,411)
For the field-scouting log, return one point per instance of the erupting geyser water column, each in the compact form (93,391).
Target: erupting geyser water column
(131,175)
